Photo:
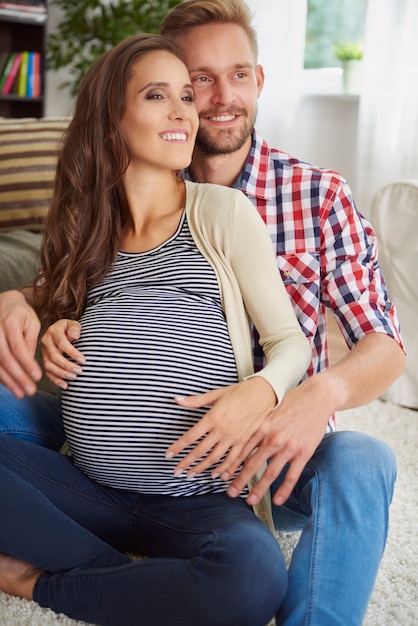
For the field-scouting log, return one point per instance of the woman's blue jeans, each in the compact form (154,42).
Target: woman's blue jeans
(211,560)
(340,503)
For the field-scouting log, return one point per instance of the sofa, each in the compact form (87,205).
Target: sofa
(394,215)
(28,156)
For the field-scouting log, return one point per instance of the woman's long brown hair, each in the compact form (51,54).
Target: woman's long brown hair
(88,206)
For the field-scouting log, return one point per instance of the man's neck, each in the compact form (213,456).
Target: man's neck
(220,169)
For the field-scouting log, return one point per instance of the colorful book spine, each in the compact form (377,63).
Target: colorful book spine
(29,84)
(22,79)
(37,74)
(6,70)
(37,7)
(34,75)
(11,77)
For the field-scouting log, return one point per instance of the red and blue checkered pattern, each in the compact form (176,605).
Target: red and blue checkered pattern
(326,250)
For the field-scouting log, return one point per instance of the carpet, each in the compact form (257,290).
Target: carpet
(395,597)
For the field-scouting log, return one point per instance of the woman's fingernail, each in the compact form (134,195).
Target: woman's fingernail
(179,397)
(178,473)
(81,360)
(252,499)
(77,370)
(215,475)
(169,455)
(191,475)
(232,492)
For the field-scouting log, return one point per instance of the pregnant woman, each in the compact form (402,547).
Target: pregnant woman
(163,276)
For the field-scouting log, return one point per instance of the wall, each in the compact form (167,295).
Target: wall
(58,101)
(325,133)
(299,111)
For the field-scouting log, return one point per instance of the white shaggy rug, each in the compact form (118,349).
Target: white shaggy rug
(395,597)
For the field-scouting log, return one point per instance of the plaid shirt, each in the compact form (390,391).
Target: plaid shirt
(326,250)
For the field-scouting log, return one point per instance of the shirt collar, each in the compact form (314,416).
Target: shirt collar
(256,178)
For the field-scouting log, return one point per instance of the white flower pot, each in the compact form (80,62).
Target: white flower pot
(352,70)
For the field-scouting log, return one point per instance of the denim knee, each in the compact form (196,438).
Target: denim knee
(256,576)
(36,418)
(358,456)
(348,466)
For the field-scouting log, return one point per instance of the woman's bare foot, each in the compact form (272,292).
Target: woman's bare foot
(17,578)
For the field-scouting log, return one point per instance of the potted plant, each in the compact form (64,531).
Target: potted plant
(351,55)
(87,28)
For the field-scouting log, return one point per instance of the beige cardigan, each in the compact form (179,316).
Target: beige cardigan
(232,236)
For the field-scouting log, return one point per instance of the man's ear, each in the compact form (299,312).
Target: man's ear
(259,76)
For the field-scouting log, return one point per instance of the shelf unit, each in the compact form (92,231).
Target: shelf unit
(17,34)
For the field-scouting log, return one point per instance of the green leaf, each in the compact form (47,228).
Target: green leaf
(88,28)
(347,50)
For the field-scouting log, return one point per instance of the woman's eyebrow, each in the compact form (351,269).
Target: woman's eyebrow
(163,84)
(154,84)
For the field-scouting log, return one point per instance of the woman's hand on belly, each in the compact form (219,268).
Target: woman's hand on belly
(56,342)
(236,414)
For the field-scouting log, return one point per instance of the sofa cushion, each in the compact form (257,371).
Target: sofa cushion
(19,265)
(28,157)
(394,215)
(19,258)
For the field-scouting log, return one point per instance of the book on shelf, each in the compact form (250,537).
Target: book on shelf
(34,75)
(34,12)
(7,66)
(22,78)
(25,5)
(29,77)
(21,75)
(11,74)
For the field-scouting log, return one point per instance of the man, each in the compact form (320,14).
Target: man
(336,488)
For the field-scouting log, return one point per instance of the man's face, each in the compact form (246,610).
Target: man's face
(227,84)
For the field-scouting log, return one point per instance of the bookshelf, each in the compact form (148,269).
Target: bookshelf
(22,30)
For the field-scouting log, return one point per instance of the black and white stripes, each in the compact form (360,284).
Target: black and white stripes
(154,328)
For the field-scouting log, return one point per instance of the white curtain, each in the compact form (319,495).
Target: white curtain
(388,114)
(281,26)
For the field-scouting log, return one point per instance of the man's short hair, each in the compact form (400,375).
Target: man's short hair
(192,13)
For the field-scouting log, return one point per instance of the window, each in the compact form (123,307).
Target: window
(330,22)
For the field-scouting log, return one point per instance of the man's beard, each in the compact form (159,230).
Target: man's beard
(225,141)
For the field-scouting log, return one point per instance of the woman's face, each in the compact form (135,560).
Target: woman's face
(160,120)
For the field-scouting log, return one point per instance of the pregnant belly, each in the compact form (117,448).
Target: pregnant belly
(120,414)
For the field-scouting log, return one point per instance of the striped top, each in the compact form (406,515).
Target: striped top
(153,329)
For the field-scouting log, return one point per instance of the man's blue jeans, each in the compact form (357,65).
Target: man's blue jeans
(212,561)
(36,419)
(340,503)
